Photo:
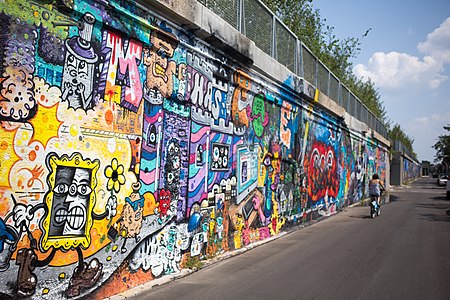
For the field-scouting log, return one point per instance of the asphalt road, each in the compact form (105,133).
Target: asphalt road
(402,254)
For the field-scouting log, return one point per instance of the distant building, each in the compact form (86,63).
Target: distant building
(426,168)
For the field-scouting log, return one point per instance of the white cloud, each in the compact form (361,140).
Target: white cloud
(437,43)
(396,70)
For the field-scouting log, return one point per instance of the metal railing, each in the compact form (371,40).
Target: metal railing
(253,19)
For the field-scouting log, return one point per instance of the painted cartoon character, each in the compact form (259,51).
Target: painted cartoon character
(77,83)
(240,224)
(130,222)
(66,223)
(322,173)
(241,99)
(160,70)
(164,203)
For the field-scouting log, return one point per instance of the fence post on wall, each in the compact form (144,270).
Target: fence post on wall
(328,83)
(240,13)
(296,56)
(301,62)
(274,37)
(316,72)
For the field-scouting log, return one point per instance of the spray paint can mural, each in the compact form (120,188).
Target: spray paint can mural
(79,65)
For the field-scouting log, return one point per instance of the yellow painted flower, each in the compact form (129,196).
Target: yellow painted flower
(115,174)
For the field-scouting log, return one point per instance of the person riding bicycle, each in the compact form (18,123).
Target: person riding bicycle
(376,187)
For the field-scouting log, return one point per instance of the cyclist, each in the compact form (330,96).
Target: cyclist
(376,187)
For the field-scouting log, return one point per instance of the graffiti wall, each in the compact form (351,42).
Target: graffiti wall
(411,170)
(128,148)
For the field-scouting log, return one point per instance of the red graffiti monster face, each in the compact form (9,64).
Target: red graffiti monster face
(322,177)
(164,202)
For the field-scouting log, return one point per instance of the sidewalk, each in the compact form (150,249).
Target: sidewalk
(140,289)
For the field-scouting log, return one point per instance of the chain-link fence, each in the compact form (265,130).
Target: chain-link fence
(286,47)
(258,23)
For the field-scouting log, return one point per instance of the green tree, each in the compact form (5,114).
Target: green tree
(442,147)
(397,134)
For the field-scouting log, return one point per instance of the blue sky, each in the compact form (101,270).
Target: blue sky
(407,55)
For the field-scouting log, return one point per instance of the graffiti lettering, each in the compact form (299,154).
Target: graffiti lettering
(123,85)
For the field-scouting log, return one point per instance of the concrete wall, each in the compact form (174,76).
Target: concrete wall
(403,169)
(134,142)
(397,169)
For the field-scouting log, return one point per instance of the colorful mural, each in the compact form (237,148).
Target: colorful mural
(411,170)
(129,148)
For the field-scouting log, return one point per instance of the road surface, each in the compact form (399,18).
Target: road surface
(402,254)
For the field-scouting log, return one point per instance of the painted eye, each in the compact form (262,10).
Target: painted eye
(71,60)
(316,160)
(171,149)
(137,216)
(152,137)
(82,67)
(170,177)
(84,190)
(72,189)
(162,53)
(61,188)
(330,158)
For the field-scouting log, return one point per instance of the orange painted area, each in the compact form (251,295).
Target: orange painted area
(121,281)
(5,201)
(150,204)
(3,145)
(109,117)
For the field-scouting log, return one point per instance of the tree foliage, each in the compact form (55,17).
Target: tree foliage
(442,147)
(397,134)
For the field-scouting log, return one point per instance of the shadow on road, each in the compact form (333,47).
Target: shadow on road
(440,206)
(439,198)
(365,216)
(433,217)
(443,214)
(393,198)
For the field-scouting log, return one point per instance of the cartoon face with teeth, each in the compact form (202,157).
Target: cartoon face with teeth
(70,202)
(160,69)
